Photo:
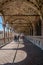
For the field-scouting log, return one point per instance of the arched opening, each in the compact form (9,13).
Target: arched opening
(1,31)
(1,28)
(22,25)
(1,24)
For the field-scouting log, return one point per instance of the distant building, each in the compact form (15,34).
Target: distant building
(1,32)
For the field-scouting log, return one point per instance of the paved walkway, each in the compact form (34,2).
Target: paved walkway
(16,53)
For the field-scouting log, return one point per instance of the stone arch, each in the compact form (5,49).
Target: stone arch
(32,5)
(2,16)
(28,29)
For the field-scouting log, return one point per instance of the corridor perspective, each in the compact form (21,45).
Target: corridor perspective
(21,32)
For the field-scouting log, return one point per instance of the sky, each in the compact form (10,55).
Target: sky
(1,27)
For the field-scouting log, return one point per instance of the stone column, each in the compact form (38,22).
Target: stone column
(8,34)
(4,32)
(34,33)
(42,27)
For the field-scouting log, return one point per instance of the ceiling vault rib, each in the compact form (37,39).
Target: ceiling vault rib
(18,23)
(20,15)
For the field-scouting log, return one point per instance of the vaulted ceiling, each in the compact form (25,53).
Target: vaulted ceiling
(25,11)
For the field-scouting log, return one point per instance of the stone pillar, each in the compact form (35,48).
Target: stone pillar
(34,33)
(42,27)
(4,32)
(8,34)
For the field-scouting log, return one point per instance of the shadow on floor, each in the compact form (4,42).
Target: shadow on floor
(34,55)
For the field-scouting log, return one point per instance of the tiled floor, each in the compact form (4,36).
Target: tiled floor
(16,53)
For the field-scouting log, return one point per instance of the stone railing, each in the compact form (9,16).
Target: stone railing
(37,40)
